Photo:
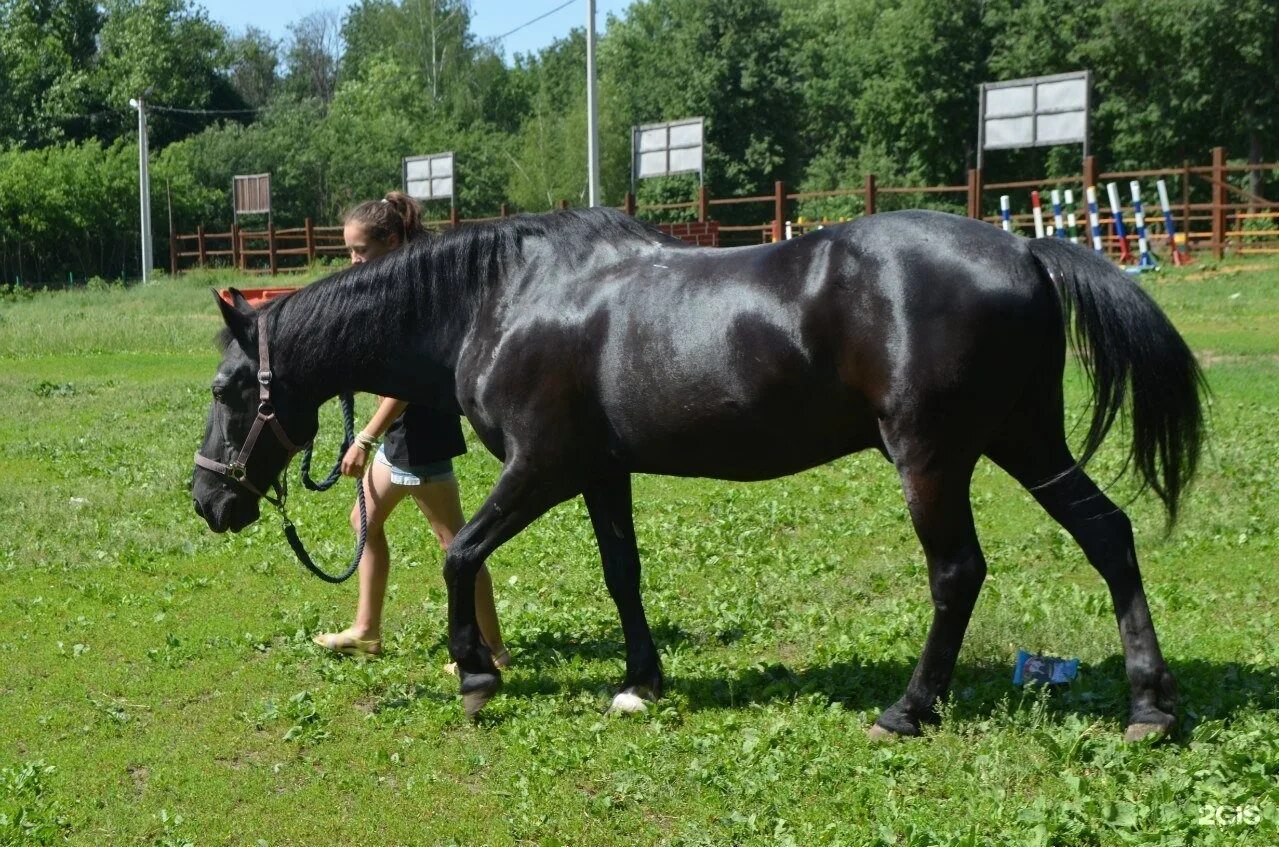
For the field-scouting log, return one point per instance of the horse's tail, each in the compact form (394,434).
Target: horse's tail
(1128,347)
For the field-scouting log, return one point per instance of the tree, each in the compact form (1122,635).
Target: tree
(726,60)
(255,62)
(312,55)
(548,162)
(170,49)
(461,79)
(46,57)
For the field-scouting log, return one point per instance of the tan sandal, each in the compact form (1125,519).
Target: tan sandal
(349,645)
(501,659)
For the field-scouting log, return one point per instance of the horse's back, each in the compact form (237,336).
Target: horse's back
(756,362)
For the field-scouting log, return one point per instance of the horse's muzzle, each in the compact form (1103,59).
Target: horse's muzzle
(226,516)
(215,518)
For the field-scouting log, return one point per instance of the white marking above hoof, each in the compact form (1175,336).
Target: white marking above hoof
(881,735)
(1149,732)
(627,703)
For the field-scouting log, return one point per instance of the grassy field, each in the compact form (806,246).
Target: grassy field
(158,685)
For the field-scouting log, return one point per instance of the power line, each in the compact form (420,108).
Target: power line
(527,23)
(90,116)
(176,110)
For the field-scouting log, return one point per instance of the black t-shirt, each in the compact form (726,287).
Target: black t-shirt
(423,435)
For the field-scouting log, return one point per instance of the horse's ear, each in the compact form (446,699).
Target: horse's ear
(240,301)
(239,317)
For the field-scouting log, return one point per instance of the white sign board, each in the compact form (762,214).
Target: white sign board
(1034,112)
(665,149)
(429,177)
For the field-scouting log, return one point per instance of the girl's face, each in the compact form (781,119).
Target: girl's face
(362,246)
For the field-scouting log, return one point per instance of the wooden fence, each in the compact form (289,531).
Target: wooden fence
(1231,220)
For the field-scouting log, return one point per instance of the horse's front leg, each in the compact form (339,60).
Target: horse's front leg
(942,515)
(609,504)
(521,495)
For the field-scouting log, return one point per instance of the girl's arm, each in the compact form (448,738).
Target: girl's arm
(357,454)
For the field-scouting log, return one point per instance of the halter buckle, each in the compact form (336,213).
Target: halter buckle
(235,470)
(264,377)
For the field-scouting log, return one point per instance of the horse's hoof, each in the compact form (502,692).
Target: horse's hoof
(477,690)
(1151,732)
(881,735)
(629,703)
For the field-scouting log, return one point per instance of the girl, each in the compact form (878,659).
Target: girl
(414,461)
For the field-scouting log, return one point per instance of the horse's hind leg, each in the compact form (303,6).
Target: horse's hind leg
(609,504)
(1036,455)
(936,490)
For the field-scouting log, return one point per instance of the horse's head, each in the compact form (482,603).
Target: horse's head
(256,424)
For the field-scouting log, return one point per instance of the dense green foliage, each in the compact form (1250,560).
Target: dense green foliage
(815,92)
(158,685)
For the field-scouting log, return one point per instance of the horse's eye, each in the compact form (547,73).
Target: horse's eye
(217,393)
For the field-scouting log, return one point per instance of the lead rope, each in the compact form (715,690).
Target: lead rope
(290,531)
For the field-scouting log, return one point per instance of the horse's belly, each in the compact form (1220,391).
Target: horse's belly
(764,441)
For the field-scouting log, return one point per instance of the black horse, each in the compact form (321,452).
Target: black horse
(584,346)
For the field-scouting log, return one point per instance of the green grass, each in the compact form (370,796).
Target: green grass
(158,686)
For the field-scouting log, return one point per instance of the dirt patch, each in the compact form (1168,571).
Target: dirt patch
(1208,358)
(1228,271)
(241,761)
(140,776)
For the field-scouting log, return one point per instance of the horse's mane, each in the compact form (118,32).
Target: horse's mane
(460,265)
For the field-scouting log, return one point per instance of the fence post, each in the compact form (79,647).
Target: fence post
(505,211)
(779,209)
(173,253)
(1185,201)
(310,241)
(974,193)
(200,245)
(870,194)
(1090,172)
(628,205)
(1218,202)
(563,205)
(701,204)
(270,246)
(454,218)
(237,255)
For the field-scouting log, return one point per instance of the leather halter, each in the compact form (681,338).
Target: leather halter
(235,469)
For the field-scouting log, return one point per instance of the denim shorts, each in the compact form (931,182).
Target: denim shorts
(441,471)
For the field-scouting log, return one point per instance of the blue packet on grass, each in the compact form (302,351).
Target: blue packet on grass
(1046,669)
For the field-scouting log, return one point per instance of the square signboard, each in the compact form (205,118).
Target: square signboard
(251,194)
(1034,112)
(429,177)
(665,149)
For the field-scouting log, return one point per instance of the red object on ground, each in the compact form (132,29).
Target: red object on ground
(257,296)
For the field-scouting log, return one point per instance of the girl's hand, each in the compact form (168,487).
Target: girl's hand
(354,461)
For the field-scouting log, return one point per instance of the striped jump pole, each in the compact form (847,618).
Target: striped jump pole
(1039,214)
(1070,216)
(1005,213)
(1117,215)
(1179,256)
(1146,260)
(1094,218)
(1059,227)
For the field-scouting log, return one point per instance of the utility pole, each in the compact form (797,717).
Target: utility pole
(592,110)
(144,183)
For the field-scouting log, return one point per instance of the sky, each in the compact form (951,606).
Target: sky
(489,18)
